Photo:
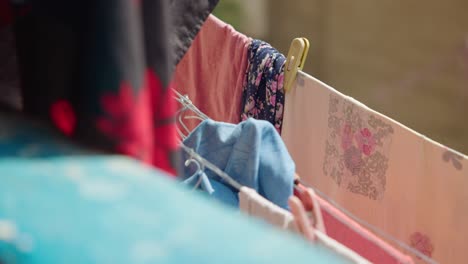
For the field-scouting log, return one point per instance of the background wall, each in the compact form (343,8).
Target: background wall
(405,59)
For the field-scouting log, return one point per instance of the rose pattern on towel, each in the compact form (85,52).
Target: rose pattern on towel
(357,147)
(422,243)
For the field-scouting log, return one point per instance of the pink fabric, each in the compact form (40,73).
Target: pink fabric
(213,70)
(349,233)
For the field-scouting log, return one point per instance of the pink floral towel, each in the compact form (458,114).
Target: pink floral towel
(403,183)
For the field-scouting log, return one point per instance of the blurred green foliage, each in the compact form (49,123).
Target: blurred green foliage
(229,11)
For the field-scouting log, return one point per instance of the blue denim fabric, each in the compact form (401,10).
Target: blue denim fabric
(204,181)
(251,152)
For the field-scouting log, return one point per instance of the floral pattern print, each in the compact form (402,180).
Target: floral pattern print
(365,141)
(356,149)
(263,94)
(422,243)
(134,126)
(454,158)
(126,115)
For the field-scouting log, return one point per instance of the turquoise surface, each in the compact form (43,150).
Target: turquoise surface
(58,205)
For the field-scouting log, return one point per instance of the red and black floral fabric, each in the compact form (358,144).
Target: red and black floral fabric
(100,71)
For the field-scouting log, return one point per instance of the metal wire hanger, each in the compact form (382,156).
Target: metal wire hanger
(187,104)
(194,156)
(205,164)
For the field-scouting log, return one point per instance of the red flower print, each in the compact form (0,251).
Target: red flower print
(63,116)
(346,137)
(422,243)
(129,121)
(365,141)
(142,122)
(165,131)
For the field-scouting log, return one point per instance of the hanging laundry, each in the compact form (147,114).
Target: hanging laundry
(306,203)
(67,207)
(378,169)
(349,233)
(212,71)
(252,153)
(103,78)
(263,93)
(253,204)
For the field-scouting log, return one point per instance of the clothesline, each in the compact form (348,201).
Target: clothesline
(186,102)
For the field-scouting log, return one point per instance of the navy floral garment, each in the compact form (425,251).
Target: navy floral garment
(263,94)
(100,71)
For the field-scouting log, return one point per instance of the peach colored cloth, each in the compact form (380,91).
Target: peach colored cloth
(253,204)
(410,187)
(212,71)
(352,235)
(349,233)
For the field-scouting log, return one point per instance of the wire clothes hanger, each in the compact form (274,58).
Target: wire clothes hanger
(185,100)
(187,104)
(201,163)
(200,170)
(206,164)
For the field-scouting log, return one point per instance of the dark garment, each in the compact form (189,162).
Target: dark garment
(100,71)
(9,82)
(263,94)
(187,17)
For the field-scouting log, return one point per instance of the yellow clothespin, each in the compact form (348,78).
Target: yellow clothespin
(295,61)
